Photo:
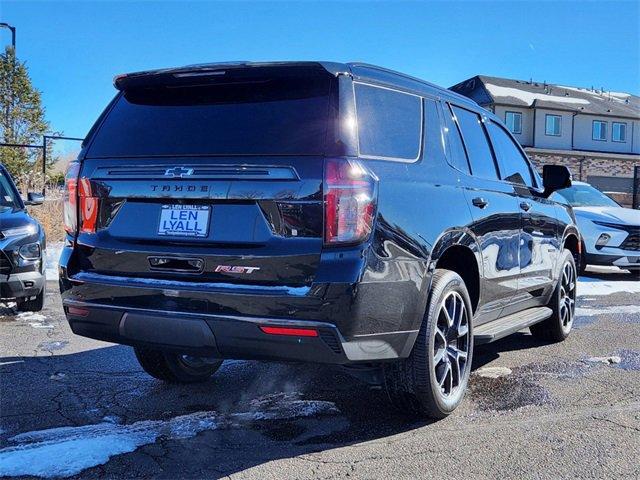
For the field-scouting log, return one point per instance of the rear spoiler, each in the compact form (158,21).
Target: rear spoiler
(213,72)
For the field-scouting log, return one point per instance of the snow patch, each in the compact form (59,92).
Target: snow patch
(613,359)
(602,95)
(36,317)
(493,372)
(40,325)
(530,97)
(592,286)
(11,362)
(66,451)
(52,256)
(35,320)
(608,310)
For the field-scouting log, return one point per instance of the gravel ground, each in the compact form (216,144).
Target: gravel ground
(534,410)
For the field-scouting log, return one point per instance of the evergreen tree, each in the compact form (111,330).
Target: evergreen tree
(22,119)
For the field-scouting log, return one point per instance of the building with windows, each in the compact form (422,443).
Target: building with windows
(596,133)
(542,115)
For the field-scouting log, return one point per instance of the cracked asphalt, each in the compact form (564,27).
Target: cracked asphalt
(558,410)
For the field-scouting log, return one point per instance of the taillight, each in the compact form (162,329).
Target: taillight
(78,199)
(70,206)
(349,201)
(88,207)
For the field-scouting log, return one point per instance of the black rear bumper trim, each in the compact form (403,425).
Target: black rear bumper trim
(230,336)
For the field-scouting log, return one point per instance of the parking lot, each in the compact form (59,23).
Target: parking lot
(75,407)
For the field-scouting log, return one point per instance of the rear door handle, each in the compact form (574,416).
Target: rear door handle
(479,202)
(525,206)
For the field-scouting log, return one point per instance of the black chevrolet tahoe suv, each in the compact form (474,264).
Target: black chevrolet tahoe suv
(316,212)
(22,245)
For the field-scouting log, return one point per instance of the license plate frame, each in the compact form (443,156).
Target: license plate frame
(178,220)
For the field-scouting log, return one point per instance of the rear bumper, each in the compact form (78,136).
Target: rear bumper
(20,285)
(226,336)
(368,320)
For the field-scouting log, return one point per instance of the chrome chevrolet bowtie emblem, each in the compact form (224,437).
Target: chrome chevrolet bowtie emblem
(178,172)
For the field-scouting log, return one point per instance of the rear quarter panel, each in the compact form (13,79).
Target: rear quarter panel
(420,207)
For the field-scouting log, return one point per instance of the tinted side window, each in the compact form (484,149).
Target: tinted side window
(513,166)
(475,140)
(455,152)
(389,122)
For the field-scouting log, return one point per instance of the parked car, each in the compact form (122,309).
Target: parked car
(318,212)
(22,243)
(610,232)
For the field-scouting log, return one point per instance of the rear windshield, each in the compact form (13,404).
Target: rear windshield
(275,115)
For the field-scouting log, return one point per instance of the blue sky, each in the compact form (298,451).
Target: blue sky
(74,49)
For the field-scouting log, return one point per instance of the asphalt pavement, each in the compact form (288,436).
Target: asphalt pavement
(533,410)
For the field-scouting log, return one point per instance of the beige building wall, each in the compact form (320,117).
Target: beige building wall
(561,142)
(583,127)
(526,137)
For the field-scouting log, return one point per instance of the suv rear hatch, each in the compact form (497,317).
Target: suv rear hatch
(207,175)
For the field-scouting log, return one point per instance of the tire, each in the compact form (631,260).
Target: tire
(582,263)
(563,303)
(174,367)
(426,383)
(34,305)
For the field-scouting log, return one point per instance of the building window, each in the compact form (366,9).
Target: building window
(599,130)
(619,132)
(553,125)
(513,121)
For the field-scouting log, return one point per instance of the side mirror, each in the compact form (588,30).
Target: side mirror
(555,177)
(34,199)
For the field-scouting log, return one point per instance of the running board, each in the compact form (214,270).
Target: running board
(497,329)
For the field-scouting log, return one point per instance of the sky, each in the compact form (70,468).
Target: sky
(74,49)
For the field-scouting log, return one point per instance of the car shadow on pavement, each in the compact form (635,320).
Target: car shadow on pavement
(484,354)
(107,385)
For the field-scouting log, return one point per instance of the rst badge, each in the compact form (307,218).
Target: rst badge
(235,269)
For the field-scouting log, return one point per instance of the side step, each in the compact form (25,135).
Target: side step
(496,329)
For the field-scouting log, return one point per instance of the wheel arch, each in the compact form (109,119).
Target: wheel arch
(458,250)
(572,241)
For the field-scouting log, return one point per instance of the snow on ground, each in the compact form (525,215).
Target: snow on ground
(35,320)
(588,286)
(52,256)
(33,316)
(66,451)
(607,310)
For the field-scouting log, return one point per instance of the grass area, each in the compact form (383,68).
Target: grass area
(49,214)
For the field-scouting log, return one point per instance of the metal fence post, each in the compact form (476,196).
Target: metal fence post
(635,200)
(44,164)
